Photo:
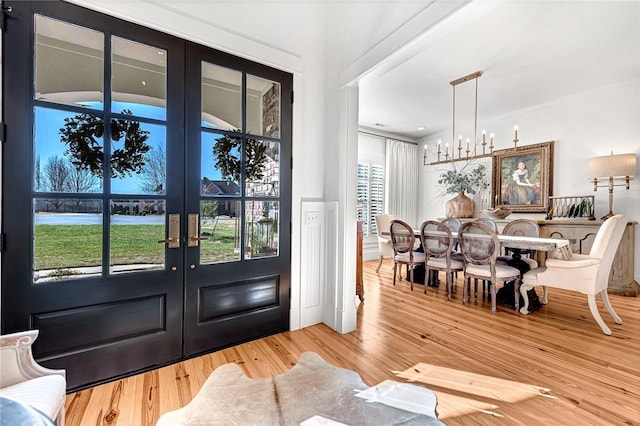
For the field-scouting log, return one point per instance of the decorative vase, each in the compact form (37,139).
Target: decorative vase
(460,206)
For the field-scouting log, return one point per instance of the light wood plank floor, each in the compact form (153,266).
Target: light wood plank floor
(553,367)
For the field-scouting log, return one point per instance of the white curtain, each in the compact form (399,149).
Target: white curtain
(401,177)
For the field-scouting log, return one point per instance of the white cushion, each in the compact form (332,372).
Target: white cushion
(502,271)
(441,263)
(46,394)
(418,257)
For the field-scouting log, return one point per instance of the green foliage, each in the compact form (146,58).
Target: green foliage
(458,180)
(82,134)
(209,209)
(230,164)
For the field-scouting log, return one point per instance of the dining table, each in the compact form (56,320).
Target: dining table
(545,246)
(559,247)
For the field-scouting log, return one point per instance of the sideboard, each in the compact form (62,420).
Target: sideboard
(581,235)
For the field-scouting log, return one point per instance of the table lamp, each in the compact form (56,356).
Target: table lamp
(611,168)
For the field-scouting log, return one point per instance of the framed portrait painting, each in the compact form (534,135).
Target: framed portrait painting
(522,178)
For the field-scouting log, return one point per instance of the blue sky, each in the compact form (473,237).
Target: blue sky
(48,144)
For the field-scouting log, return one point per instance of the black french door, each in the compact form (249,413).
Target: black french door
(146,193)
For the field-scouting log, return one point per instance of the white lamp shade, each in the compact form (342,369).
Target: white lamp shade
(620,165)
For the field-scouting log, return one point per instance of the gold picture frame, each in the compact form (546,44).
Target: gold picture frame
(522,178)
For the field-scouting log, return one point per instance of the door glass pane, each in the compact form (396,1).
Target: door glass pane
(221,97)
(220,164)
(263,107)
(138,158)
(219,223)
(261,229)
(262,168)
(67,152)
(138,78)
(136,227)
(69,63)
(67,238)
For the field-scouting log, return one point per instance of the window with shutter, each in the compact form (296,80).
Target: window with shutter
(370,193)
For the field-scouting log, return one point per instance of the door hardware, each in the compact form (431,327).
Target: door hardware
(173,240)
(193,237)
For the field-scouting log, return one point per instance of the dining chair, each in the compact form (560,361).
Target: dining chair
(437,243)
(480,247)
(585,273)
(403,240)
(494,227)
(385,248)
(453,223)
(523,228)
(489,222)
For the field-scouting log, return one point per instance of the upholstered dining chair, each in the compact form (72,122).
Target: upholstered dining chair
(403,240)
(453,223)
(385,248)
(480,246)
(437,243)
(587,274)
(489,222)
(523,228)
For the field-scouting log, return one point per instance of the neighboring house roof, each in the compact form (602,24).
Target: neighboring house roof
(219,187)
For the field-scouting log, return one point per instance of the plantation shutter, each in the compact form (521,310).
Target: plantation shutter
(370,193)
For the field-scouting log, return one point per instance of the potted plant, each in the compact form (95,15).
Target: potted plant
(460,181)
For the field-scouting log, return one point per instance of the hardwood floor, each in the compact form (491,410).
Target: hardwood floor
(552,367)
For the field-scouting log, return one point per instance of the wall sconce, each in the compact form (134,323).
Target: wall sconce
(621,167)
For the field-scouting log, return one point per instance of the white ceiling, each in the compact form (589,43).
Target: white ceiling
(530,53)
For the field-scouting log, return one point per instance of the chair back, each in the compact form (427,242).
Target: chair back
(488,222)
(605,246)
(402,237)
(453,223)
(479,243)
(522,228)
(383,221)
(436,238)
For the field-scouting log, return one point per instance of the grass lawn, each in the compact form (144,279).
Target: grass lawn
(73,246)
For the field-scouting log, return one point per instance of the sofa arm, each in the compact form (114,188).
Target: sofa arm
(17,359)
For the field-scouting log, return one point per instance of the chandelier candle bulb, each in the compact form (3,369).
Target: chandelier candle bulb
(484,141)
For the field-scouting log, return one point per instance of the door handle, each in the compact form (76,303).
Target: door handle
(193,225)
(173,240)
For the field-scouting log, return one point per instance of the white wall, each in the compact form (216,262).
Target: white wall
(359,34)
(586,125)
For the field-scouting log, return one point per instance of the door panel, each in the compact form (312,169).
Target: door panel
(237,281)
(81,219)
(146,204)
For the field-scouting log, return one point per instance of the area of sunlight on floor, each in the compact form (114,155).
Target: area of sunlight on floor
(473,384)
